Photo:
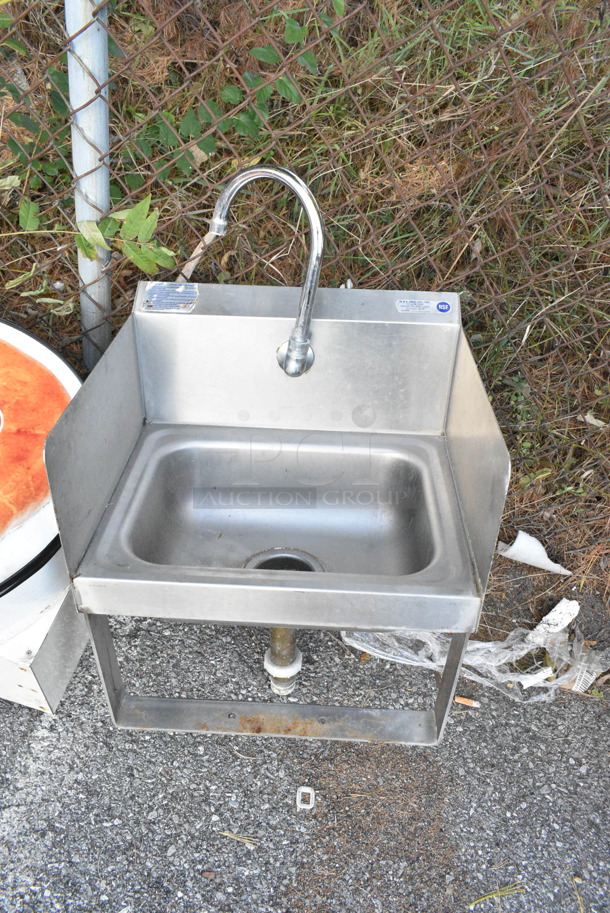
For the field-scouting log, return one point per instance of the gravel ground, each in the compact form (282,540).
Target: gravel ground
(96,819)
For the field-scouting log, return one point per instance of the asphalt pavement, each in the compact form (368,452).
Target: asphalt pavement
(513,804)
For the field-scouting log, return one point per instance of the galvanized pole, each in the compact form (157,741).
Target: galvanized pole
(88,77)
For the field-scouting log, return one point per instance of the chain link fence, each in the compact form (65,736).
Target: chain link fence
(460,145)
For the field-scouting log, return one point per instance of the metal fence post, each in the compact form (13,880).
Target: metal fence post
(88,75)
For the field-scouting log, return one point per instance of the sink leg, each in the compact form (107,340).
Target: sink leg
(283,660)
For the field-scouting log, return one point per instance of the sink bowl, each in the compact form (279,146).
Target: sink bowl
(217,498)
(193,480)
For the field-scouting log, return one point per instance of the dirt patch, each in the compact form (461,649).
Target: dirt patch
(379,831)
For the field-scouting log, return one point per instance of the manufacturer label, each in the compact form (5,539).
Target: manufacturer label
(170,296)
(417,306)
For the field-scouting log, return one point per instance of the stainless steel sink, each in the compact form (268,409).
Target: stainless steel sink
(216,497)
(195,481)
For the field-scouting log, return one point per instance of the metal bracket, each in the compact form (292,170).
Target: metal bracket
(407,727)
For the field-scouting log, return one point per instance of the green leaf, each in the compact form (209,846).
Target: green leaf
(116,193)
(226,124)
(207,144)
(339,7)
(14,45)
(65,308)
(232,95)
(162,255)
(59,78)
(51,168)
(185,164)
(91,232)
(15,283)
(263,95)
(19,150)
(252,80)
(113,49)
(294,33)
(309,62)
(134,181)
(23,120)
(36,292)
(135,219)
(190,125)
(59,91)
(247,124)
(109,226)
(167,135)
(210,111)
(266,54)
(86,248)
(288,89)
(142,145)
(28,215)
(328,22)
(149,227)
(263,110)
(11,89)
(166,169)
(140,257)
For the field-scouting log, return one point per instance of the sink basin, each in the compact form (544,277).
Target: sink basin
(215,498)
(193,480)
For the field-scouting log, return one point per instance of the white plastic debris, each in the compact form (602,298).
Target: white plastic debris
(548,658)
(557,620)
(596,422)
(590,668)
(528,550)
(306,797)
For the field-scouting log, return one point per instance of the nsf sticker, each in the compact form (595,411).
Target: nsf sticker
(421,306)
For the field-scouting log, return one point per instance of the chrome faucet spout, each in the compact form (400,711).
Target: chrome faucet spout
(295,356)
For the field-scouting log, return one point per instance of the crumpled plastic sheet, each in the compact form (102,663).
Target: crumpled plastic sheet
(548,658)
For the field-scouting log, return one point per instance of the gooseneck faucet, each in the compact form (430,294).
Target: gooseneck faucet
(296,355)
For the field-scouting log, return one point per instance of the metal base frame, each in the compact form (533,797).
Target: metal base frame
(407,727)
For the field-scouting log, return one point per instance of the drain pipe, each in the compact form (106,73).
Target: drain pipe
(86,26)
(283,660)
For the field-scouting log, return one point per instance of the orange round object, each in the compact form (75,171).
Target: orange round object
(31,401)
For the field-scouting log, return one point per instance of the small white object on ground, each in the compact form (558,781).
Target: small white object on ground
(306,797)
(528,550)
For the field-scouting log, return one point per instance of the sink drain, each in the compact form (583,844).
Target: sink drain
(281,559)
